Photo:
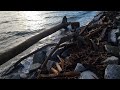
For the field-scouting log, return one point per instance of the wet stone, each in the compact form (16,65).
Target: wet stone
(23,76)
(39,57)
(35,66)
(15,70)
(27,63)
(118,40)
(118,17)
(112,38)
(88,75)
(66,53)
(114,50)
(111,60)
(12,76)
(79,68)
(18,68)
(112,72)
(16,77)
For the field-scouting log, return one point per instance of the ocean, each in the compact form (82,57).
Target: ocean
(18,26)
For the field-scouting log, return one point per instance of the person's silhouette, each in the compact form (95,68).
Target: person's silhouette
(65,21)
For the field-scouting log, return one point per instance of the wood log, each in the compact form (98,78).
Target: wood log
(62,40)
(5,56)
(9,70)
(65,74)
(22,58)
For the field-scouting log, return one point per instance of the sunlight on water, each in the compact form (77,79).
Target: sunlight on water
(18,26)
(30,15)
(32,19)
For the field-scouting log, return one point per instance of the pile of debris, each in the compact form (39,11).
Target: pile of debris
(88,52)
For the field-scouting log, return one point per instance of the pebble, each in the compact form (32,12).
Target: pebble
(118,17)
(88,75)
(12,76)
(112,38)
(35,66)
(118,40)
(39,57)
(23,75)
(112,72)
(79,68)
(15,77)
(111,60)
(114,50)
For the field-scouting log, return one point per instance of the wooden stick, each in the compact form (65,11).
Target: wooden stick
(58,67)
(62,61)
(102,34)
(54,71)
(62,40)
(94,45)
(96,31)
(86,26)
(60,58)
(65,74)
(82,30)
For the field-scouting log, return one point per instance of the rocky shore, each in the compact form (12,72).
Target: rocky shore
(93,52)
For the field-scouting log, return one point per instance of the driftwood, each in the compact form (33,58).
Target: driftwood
(96,31)
(9,70)
(65,74)
(62,61)
(99,28)
(58,67)
(83,29)
(92,31)
(102,34)
(94,45)
(62,40)
(4,57)
(54,71)
(89,25)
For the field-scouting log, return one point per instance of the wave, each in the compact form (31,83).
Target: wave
(4,22)
(29,27)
